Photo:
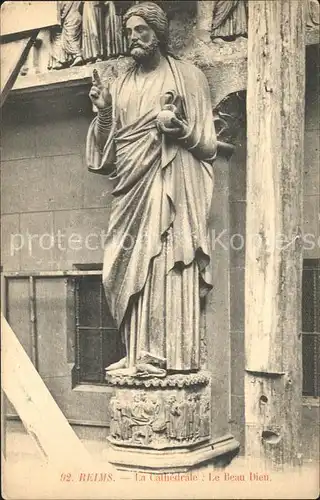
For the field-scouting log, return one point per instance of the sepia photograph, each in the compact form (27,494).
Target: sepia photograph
(160,249)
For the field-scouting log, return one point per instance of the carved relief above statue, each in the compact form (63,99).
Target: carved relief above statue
(58,58)
(71,23)
(229,19)
(92,31)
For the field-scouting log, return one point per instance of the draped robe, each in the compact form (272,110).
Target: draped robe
(157,252)
(92,28)
(230,18)
(71,20)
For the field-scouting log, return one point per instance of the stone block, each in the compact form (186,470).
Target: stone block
(81,236)
(40,184)
(238,162)
(18,307)
(237,299)
(84,407)
(237,363)
(237,410)
(37,240)
(18,140)
(61,135)
(237,233)
(10,242)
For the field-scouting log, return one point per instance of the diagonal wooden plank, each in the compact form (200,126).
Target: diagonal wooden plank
(37,409)
(13,55)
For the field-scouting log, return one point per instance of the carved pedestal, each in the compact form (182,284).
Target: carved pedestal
(164,424)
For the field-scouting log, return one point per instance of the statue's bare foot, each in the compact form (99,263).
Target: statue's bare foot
(58,65)
(218,40)
(118,365)
(77,62)
(147,358)
(121,372)
(148,370)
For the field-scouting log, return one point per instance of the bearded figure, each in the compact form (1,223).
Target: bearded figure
(154,137)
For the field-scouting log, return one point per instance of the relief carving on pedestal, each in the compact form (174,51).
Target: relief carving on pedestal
(159,420)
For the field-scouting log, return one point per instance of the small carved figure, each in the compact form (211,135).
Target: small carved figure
(126,423)
(196,418)
(229,19)
(182,420)
(113,31)
(71,22)
(58,58)
(116,417)
(191,416)
(171,409)
(142,416)
(92,31)
(159,423)
(204,418)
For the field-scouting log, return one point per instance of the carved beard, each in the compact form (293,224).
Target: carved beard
(141,52)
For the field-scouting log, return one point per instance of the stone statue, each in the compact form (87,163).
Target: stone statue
(229,19)
(92,31)
(154,136)
(58,58)
(71,23)
(113,31)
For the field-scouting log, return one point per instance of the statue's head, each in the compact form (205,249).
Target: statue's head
(147,29)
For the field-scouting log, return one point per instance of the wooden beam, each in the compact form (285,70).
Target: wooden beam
(13,55)
(40,414)
(275,117)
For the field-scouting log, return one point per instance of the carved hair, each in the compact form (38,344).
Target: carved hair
(155,17)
